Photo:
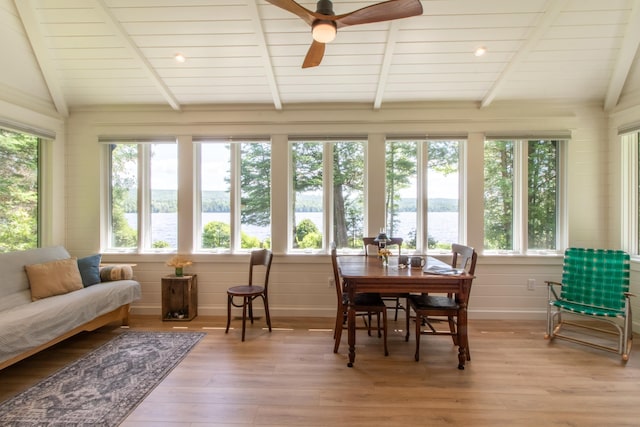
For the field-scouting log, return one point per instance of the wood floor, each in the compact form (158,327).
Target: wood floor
(291,377)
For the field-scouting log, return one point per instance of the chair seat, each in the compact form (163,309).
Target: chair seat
(366,300)
(426,302)
(590,310)
(245,290)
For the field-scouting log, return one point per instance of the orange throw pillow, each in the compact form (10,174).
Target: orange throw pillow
(53,278)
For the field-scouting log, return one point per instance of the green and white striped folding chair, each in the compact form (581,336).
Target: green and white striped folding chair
(595,284)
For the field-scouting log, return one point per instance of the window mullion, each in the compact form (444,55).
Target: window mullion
(234,195)
(520,199)
(327,191)
(144,197)
(422,197)
(629,185)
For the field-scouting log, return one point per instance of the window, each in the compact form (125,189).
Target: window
(630,174)
(143,197)
(229,171)
(318,166)
(404,188)
(522,194)
(19,191)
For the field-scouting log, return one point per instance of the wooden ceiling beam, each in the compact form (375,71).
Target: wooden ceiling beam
(138,56)
(551,12)
(264,53)
(626,55)
(392,38)
(26,10)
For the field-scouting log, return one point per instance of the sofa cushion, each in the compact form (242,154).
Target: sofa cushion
(14,278)
(53,278)
(116,272)
(90,269)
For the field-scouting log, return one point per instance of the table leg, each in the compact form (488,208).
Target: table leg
(351,329)
(462,335)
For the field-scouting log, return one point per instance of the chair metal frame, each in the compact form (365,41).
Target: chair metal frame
(595,286)
(250,292)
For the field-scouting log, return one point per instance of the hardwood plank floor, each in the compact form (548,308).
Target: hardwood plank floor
(291,377)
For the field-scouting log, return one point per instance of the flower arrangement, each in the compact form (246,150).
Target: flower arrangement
(179,262)
(384,253)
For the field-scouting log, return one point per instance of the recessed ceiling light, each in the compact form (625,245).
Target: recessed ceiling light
(480,51)
(180,57)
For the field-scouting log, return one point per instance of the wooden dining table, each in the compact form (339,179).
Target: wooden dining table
(362,274)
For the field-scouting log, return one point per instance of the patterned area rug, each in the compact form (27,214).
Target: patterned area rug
(103,387)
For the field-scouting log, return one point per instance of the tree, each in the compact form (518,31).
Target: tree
(498,195)
(401,158)
(216,234)
(255,182)
(542,195)
(123,182)
(18,191)
(307,173)
(348,189)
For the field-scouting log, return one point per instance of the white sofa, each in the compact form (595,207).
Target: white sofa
(27,326)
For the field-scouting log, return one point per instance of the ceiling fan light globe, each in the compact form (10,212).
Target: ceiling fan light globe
(324,31)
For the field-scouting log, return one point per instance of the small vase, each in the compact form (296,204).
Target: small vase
(179,272)
(385,261)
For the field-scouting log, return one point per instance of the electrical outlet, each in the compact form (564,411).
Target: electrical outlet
(330,281)
(531,284)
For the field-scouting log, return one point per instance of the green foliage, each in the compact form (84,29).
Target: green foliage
(216,234)
(255,184)
(311,241)
(249,242)
(307,227)
(401,167)
(498,194)
(124,182)
(542,195)
(348,192)
(161,244)
(307,177)
(18,191)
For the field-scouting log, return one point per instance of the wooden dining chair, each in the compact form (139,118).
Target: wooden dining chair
(427,306)
(365,304)
(249,292)
(370,242)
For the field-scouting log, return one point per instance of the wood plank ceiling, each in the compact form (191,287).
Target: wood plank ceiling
(115,52)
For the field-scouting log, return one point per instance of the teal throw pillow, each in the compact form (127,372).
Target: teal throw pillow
(90,269)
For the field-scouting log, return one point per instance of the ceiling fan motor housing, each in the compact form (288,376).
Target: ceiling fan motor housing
(324,7)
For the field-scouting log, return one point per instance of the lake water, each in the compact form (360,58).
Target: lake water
(443,226)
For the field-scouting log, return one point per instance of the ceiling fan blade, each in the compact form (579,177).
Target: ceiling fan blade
(314,55)
(385,11)
(293,7)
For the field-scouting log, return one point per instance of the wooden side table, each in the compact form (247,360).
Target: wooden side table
(179,297)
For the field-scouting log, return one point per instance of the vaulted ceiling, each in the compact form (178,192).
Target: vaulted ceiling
(75,53)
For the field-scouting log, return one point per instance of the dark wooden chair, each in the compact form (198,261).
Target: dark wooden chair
(393,298)
(428,306)
(364,304)
(250,292)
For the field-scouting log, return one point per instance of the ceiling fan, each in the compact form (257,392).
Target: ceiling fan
(325,23)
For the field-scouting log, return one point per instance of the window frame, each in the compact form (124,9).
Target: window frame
(40,171)
(144,243)
(422,187)
(630,199)
(520,243)
(235,192)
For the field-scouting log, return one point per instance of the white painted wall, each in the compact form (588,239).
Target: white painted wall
(300,282)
